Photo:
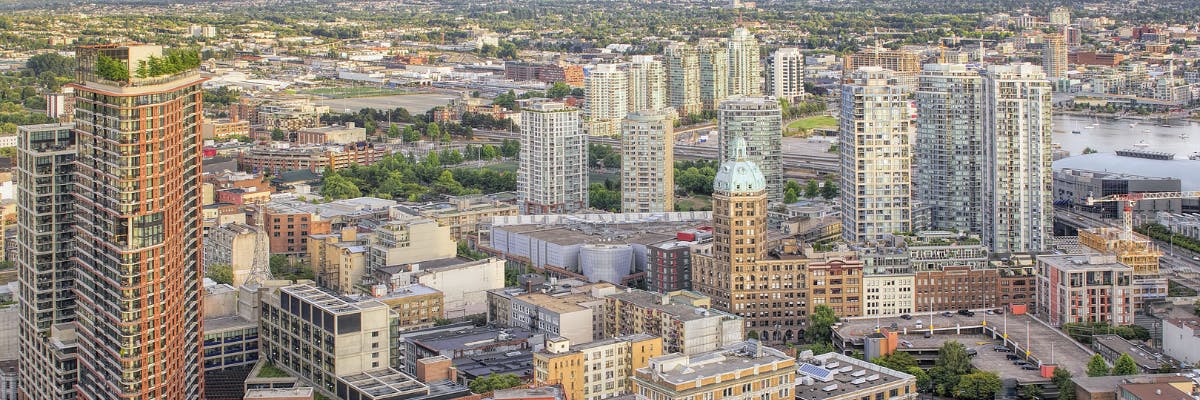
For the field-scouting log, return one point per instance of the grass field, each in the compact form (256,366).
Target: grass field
(505,166)
(694,203)
(347,92)
(807,124)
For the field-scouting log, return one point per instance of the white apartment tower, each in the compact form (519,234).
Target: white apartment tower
(647,84)
(745,70)
(876,173)
(647,163)
(1018,179)
(948,155)
(714,73)
(759,122)
(606,87)
(683,77)
(785,74)
(552,175)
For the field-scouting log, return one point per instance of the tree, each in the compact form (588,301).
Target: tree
(752,334)
(53,63)
(790,196)
(829,190)
(1125,366)
(899,361)
(410,134)
(279,264)
(1031,392)
(812,189)
(1062,379)
(953,357)
(220,273)
(393,131)
(923,381)
(558,90)
(336,187)
(1089,150)
(446,184)
(488,152)
(278,134)
(433,131)
(510,148)
(978,385)
(820,323)
(493,383)
(1097,366)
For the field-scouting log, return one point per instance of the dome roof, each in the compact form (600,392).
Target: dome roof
(739,175)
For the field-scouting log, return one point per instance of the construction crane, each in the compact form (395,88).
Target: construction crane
(1131,199)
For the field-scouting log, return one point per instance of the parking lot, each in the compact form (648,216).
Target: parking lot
(990,360)
(1024,333)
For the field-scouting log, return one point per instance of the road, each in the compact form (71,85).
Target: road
(821,163)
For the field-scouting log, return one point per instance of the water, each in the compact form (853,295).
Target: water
(1110,135)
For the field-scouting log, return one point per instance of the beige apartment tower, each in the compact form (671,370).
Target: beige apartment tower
(647,163)
(876,126)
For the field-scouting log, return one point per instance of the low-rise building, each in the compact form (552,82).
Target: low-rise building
(465,214)
(416,306)
(339,261)
(242,247)
(278,159)
(746,370)
(1109,387)
(577,316)
(219,129)
(684,320)
(301,393)
(465,345)
(835,376)
(333,134)
(288,228)
(409,241)
(838,284)
(1084,288)
(464,283)
(1111,347)
(955,288)
(1181,339)
(596,370)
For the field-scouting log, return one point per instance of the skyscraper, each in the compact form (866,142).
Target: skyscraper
(647,162)
(714,73)
(745,69)
(785,74)
(759,122)
(1060,16)
(683,75)
(948,155)
(1054,56)
(606,87)
(875,155)
(1018,179)
(138,222)
(647,84)
(552,176)
(44,175)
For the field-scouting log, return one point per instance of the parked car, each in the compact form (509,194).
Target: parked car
(905,316)
(972,352)
(1020,362)
(1029,367)
(1012,357)
(928,334)
(947,314)
(990,312)
(999,311)
(919,324)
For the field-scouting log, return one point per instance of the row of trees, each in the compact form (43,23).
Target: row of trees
(1124,366)
(402,177)
(827,190)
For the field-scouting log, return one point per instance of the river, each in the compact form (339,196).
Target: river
(1107,135)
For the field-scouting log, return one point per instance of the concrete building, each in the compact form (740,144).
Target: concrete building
(747,370)
(61,106)
(607,89)
(1073,186)
(552,176)
(463,342)
(577,316)
(333,134)
(45,175)
(734,274)
(759,121)
(223,129)
(162,245)
(785,74)
(745,68)
(242,247)
(288,228)
(1084,288)
(231,330)
(647,162)
(465,214)
(817,376)
(1059,16)
(713,55)
(316,158)
(1054,56)
(347,338)
(303,393)
(683,319)
(647,83)
(1018,211)
(888,294)
(683,78)
(1181,339)
(464,283)
(409,241)
(948,154)
(339,260)
(1110,387)
(1148,360)
(876,180)
(669,266)
(596,370)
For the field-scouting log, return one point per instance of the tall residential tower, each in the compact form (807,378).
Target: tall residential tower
(552,175)
(647,162)
(607,88)
(948,155)
(745,68)
(138,222)
(759,122)
(714,73)
(683,77)
(875,155)
(785,74)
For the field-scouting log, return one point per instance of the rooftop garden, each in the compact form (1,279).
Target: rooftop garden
(172,62)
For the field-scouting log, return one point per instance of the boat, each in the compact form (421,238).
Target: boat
(1194,156)
(1076,132)
(1166,125)
(1142,144)
(1133,125)
(1146,131)
(1092,126)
